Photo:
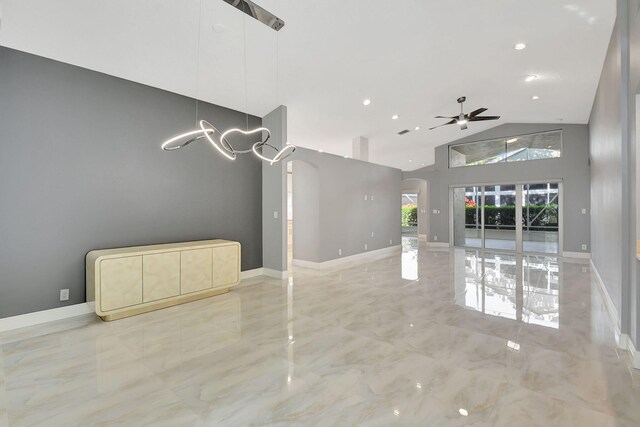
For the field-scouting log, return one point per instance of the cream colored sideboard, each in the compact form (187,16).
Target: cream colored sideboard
(128,281)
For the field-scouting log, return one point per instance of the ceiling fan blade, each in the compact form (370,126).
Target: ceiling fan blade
(483,118)
(476,112)
(444,124)
(446,117)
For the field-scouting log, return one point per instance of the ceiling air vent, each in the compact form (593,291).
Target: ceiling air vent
(402,132)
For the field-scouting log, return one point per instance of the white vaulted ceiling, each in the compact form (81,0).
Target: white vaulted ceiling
(412,58)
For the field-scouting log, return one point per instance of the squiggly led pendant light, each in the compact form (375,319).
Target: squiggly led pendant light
(221,144)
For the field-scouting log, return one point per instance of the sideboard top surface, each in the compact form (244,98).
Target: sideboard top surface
(94,255)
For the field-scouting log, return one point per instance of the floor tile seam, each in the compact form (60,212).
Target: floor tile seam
(580,357)
(578,403)
(179,399)
(477,333)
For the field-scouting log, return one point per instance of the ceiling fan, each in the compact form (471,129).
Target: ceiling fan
(462,119)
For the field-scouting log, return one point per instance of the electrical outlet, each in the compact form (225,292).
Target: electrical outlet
(435,238)
(365,197)
(584,269)
(64,294)
(584,246)
(372,197)
(365,247)
(339,251)
(275,214)
(584,211)
(391,242)
(372,234)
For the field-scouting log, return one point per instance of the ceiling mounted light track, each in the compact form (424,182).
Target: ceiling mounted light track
(258,13)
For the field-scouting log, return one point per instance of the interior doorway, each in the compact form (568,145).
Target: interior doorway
(511,217)
(409,214)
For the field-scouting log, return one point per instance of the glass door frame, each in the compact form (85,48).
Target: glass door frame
(519,195)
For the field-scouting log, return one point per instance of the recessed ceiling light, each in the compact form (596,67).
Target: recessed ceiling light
(535,97)
(346,157)
(423,164)
(530,78)
(366,102)
(320,151)
(520,46)
(463,412)
(509,141)
(411,160)
(395,117)
(416,128)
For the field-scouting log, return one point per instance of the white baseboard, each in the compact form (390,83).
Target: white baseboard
(365,256)
(437,244)
(623,341)
(45,316)
(251,273)
(612,311)
(264,272)
(282,275)
(422,237)
(635,355)
(39,317)
(581,255)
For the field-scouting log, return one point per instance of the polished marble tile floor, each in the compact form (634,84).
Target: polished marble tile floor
(425,338)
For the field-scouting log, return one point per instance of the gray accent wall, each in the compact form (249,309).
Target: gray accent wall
(330,212)
(81,168)
(572,168)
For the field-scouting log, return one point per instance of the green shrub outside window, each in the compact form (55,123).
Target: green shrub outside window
(409,216)
(504,217)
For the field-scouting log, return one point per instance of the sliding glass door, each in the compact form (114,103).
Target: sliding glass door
(540,214)
(500,217)
(512,217)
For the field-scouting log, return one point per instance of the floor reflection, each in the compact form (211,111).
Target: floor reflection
(518,287)
(393,340)
(410,257)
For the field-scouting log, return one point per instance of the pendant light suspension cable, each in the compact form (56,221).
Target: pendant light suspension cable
(218,140)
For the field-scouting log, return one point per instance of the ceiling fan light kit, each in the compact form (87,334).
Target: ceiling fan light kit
(462,119)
